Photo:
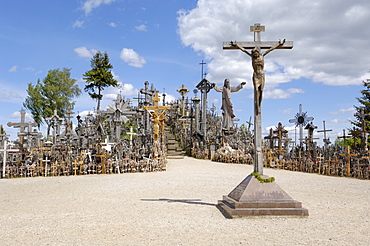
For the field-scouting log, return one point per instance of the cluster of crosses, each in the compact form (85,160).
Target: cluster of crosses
(126,138)
(122,138)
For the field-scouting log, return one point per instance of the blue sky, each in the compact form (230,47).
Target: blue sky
(163,42)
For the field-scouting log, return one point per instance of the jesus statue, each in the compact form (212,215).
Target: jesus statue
(227,106)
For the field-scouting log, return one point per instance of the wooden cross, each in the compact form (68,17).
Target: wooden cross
(344,137)
(271,138)
(46,165)
(348,155)
(258,62)
(280,131)
(131,133)
(156,115)
(103,156)
(183,91)
(335,162)
(249,123)
(81,158)
(68,117)
(75,167)
(324,131)
(5,150)
(148,93)
(22,125)
(307,141)
(54,121)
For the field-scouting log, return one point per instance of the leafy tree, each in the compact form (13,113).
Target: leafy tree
(353,143)
(55,91)
(99,77)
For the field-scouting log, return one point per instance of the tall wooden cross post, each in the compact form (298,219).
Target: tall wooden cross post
(258,80)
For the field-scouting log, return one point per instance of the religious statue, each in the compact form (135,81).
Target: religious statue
(258,64)
(227,107)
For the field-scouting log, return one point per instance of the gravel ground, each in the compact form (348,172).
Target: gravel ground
(178,207)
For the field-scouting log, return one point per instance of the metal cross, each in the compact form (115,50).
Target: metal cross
(202,75)
(301,120)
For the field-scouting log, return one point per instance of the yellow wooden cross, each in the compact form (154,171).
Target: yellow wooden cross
(103,156)
(154,112)
(348,155)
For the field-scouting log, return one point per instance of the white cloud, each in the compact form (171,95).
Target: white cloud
(17,115)
(128,90)
(342,111)
(78,24)
(31,69)
(89,5)
(9,96)
(132,58)
(168,98)
(339,121)
(123,89)
(13,69)
(286,111)
(112,24)
(141,28)
(281,94)
(84,52)
(84,113)
(328,39)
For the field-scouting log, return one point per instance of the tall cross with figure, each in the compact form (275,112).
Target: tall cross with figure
(258,80)
(154,112)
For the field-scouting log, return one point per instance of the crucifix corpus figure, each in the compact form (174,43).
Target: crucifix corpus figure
(227,106)
(258,64)
(258,80)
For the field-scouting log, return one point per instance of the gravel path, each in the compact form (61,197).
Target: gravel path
(178,207)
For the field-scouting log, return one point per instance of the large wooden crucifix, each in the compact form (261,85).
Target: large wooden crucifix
(258,80)
(158,117)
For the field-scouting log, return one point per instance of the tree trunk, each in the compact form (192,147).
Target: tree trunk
(99,98)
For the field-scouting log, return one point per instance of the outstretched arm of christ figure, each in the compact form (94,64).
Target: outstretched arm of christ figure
(240,48)
(217,88)
(237,88)
(280,43)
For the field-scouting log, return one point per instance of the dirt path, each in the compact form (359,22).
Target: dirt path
(178,207)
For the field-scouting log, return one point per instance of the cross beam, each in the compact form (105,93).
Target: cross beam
(257,29)
(252,45)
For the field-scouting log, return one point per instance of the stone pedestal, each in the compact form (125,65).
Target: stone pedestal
(252,198)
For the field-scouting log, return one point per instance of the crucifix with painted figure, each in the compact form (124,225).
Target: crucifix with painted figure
(258,79)
(157,116)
